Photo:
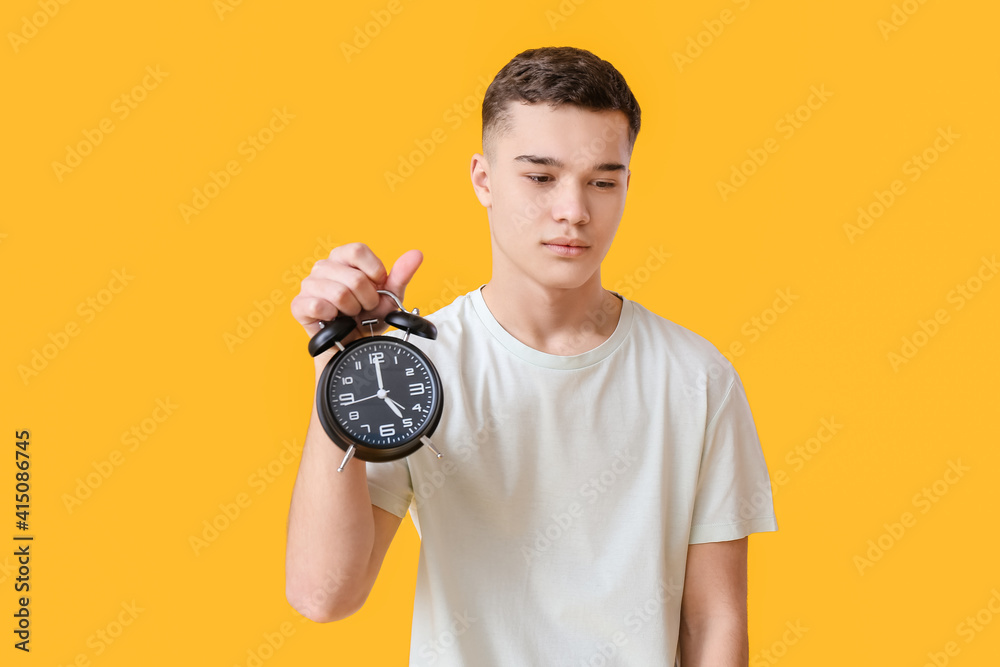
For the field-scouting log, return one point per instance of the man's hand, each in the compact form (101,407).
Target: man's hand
(346,283)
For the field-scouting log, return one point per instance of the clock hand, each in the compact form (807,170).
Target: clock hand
(389,402)
(397,403)
(361,399)
(378,374)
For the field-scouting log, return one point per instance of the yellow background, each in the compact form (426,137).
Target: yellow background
(321,182)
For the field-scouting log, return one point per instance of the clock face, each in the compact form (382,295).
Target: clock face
(382,393)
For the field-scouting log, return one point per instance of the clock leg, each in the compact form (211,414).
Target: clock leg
(427,441)
(350,453)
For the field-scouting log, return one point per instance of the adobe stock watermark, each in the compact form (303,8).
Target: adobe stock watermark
(632,281)
(223,7)
(249,148)
(914,167)
(7,569)
(231,510)
(453,118)
(103,638)
(122,107)
(452,290)
(59,340)
(364,34)
(301,269)
(263,309)
(787,126)
(753,502)
(133,438)
(967,629)
(714,28)
(960,295)
(434,648)
(563,521)
(366,380)
(754,329)
(627,286)
(582,158)
(923,501)
(563,11)
(779,648)
(246,325)
(31,25)
(426,485)
(900,14)
(333,583)
(268,646)
(606,650)
(801,454)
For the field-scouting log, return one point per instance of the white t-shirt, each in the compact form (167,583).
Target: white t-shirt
(554,530)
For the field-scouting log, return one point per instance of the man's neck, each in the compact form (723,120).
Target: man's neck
(556,321)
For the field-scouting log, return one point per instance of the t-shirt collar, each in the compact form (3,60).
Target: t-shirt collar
(544,359)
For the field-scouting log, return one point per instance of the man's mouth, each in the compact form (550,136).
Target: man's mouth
(566,247)
(564,241)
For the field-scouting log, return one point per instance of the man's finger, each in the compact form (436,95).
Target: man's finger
(360,256)
(402,272)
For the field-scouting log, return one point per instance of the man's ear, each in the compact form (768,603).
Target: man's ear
(479,171)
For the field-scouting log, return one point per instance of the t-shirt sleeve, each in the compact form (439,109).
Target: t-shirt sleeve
(733,498)
(390,486)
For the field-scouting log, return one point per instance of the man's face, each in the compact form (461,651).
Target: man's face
(558,179)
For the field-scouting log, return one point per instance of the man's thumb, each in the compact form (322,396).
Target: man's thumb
(402,272)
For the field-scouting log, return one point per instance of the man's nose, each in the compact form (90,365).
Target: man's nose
(569,203)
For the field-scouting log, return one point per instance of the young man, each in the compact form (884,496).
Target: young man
(601,467)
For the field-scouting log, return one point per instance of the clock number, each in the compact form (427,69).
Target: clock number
(416,389)
(348,379)
(385,430)
(417,408)
(375,357)
(353,415)
(409,372)
(346,399)
(366,427)
(407,423)
(395,359)
(357,365)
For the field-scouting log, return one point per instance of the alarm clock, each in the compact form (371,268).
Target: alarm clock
(379,398)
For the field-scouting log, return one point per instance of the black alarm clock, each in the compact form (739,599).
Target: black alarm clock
(379,398)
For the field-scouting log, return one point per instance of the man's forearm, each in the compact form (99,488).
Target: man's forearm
(714,643)
(330,528)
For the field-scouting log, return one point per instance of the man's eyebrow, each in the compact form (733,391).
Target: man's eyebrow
(536,159)
(553,162)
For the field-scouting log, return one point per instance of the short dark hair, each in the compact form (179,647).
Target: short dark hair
(556,75)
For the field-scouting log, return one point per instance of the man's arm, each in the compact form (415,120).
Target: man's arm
(337,538)
(331,531)
(713,631)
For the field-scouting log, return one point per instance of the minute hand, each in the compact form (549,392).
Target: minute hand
(361,399)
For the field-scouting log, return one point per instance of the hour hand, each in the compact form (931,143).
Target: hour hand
(392,404)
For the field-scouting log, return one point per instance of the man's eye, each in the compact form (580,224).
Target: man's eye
(535,178)
(605,185)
